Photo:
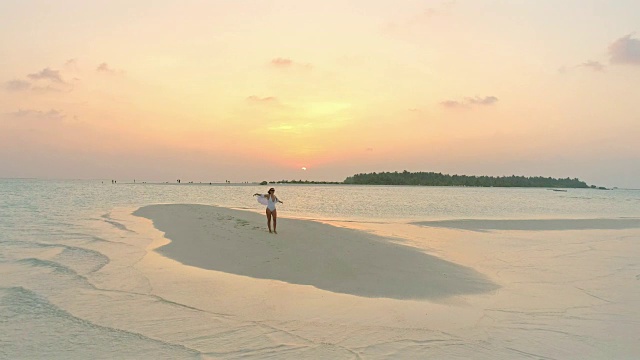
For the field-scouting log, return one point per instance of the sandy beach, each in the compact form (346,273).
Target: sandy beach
(453,180)
(559,289)
(335,259)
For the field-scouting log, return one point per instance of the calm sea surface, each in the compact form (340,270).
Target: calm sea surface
(46,254)
(43,203)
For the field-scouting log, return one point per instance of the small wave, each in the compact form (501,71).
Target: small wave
(89,261)
(62,269)
(107,218)
(25,300)
(54,330)
(56,267)
(74,253)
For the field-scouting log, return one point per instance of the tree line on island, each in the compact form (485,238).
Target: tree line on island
(439,179)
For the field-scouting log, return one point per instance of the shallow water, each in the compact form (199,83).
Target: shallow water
(69,288)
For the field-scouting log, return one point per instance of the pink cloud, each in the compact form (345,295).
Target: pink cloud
(37,114)
(469,102)
(106,69)
(593,65)
(17,85)
(257,99)
(625,50)
(284,63)
(47,74)
(452,104)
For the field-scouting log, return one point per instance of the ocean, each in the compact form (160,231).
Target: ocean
(70,286)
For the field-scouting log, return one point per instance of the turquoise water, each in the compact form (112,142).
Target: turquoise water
(50,248)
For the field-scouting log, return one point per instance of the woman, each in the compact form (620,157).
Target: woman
(272,200)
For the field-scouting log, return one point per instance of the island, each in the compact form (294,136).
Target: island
(439,179)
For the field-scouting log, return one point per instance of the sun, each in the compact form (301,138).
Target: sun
(304,168)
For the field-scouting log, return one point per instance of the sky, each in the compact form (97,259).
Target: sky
(319,90)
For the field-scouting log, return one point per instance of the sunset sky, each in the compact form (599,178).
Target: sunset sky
(256,90)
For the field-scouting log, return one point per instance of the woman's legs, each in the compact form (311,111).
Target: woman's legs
(269,220)
(275,217)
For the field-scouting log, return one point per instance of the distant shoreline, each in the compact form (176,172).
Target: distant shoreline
(202,183)
(315,182)
(439,179)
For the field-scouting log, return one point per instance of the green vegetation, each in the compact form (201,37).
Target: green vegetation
(439,179)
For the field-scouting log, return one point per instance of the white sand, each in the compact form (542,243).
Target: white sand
(376,291)
(308,253)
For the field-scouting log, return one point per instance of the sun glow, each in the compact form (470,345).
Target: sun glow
(234,94)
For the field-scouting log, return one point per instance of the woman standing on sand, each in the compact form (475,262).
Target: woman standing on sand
(271,207)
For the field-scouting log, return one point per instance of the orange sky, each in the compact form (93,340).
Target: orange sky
(256,90)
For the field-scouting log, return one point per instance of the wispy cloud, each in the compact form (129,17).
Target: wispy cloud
(17,85)
(27,114)
(285,63)
(453,104)
(45,80)
(487,100)
(282,62)
(295,128)
(47,74)
(593,65)
(72,65)
(423,16)
(625,50)
(23,85)
(469,102)
(262,100)
(106,69)
(282,127)
(54,89)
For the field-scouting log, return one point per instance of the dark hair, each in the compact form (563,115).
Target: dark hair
(272,189)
